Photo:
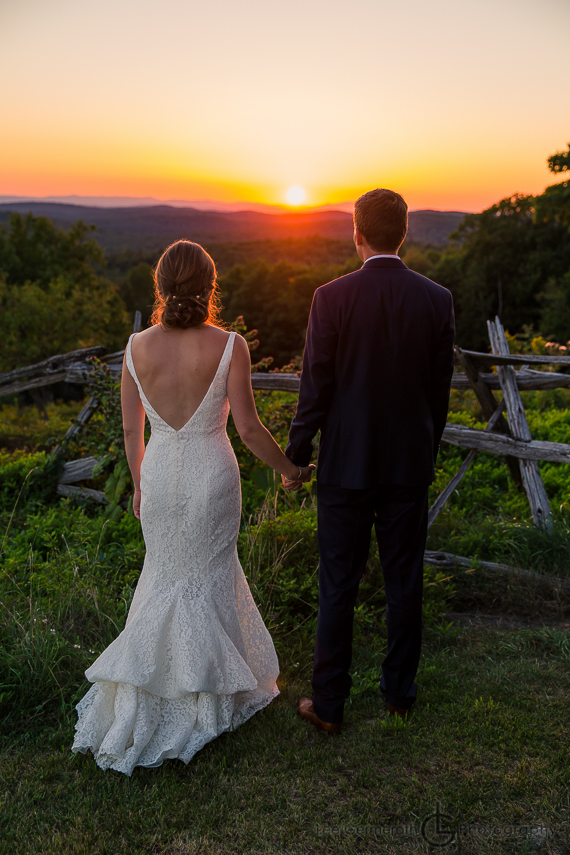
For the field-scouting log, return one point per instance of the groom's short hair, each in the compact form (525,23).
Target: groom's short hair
(381,216)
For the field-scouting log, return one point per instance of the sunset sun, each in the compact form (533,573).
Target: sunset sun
(295,195)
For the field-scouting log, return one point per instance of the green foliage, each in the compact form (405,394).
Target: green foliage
(137,291)
(421,259)
(553,206)
(276,298)
(34,250)
(66,577)
(499,264)
(51,299)
(302,251)
(280,558)
(559,162)
(15,472)
(275,411)
(68,571)
(44,320)
(486,742)
(316,250)
(103,437)
(513,259)
(104,433)
(279,552)
(24,427)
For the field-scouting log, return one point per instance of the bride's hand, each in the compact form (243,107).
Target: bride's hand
(137,504)
(305,474)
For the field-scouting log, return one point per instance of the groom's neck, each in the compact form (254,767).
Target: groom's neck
(366,252)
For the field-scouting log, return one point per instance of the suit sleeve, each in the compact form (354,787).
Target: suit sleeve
(442,369)
(317,381)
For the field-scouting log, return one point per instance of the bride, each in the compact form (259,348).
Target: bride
(195,658)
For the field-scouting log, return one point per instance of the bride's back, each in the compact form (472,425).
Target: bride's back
(176,359)
(176,367)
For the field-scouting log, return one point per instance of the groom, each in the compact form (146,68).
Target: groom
(376,376)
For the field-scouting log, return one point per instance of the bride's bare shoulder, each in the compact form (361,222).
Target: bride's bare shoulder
(156,340)
(148,334)
(216,333)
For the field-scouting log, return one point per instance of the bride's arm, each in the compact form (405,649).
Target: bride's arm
(253,433)
(133,429)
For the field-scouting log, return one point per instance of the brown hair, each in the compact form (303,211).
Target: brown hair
(185,287)
(381,216)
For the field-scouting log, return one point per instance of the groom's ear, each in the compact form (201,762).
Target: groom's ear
(357,237)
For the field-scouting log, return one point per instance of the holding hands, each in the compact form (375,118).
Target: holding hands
(304,474)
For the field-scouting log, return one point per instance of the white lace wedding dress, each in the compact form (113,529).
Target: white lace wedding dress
(195,658)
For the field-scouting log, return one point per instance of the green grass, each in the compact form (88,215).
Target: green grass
(487,742)
(25,427)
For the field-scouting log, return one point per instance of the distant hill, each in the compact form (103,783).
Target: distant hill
(146,201)
(151,228)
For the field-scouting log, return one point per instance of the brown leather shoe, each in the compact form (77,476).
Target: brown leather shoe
(403,712)
(306,711)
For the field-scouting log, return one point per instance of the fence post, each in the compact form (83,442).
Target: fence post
(518,425)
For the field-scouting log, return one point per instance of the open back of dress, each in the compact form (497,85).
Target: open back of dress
(195,658)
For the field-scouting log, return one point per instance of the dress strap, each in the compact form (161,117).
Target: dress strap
(227,355)
(131,365)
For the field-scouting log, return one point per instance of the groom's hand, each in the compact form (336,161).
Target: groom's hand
(306,475)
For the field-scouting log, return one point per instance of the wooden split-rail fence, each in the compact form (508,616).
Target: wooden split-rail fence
(508,437)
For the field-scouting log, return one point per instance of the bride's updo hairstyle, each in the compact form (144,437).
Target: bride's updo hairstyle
(185,288)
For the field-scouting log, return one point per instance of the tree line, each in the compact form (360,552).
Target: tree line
(513,259)
(59,292)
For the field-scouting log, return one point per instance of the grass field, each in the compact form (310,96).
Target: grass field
(487,746)
(480,767)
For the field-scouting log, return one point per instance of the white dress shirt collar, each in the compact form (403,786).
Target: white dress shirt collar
(383,255)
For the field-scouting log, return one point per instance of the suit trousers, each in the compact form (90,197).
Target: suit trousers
(345,520)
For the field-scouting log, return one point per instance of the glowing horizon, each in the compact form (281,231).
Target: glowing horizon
(213,102)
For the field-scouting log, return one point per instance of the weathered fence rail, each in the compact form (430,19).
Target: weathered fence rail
(514,358)
(447,561)
(74,368)
(82,493)
(71,367)
(496,443)
(526,378)
(509,438)
(78,470)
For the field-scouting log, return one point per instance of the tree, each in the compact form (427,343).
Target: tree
(38,322)
(34,250)
(51,297)
(555,301)
(512,259)
(559,162)
(137,290)
(276,300)
(553,206)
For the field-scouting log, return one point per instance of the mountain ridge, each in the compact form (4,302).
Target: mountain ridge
(152,227)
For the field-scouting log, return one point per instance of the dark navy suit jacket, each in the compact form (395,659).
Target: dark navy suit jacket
(376,376)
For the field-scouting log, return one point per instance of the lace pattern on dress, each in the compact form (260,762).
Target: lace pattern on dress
(195,658)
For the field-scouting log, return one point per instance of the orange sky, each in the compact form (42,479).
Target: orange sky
(454,103)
